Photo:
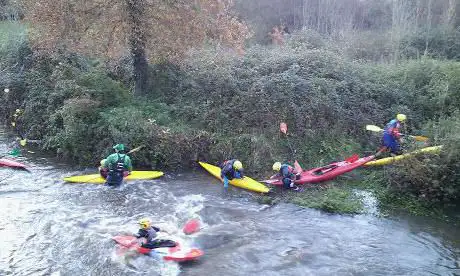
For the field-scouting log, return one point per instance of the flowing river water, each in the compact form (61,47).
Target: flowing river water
(48,227)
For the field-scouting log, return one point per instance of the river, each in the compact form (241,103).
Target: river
(48,227)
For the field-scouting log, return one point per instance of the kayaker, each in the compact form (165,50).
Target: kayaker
(287,173)
(391,138)
(118,165)
(231,169)
(149,232)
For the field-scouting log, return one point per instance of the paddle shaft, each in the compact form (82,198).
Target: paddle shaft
(378,129)
(283,129)
(135,149)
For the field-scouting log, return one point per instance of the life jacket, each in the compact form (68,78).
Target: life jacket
(286,171)
(228,163)
(120,165)
(151,234)
(392,128)
(227,169)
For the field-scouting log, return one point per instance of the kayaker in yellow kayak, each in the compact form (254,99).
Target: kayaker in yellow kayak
(231,169)
(116,166)
(287,173)
(391,138)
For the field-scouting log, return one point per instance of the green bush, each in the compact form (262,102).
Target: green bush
(433,178)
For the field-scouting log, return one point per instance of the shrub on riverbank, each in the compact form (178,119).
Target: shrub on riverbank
(433,178)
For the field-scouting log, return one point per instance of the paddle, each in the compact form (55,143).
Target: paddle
(378,129)
(297,167)
(283,129)
(135,149)
(192,226)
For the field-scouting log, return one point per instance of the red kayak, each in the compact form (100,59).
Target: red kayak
(174,253)
(327,172)
(11,164)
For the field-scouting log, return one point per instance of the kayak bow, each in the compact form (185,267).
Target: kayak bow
(390,160)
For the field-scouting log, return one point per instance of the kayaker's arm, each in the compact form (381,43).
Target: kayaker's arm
(139,234)
(108,160)
(129,164)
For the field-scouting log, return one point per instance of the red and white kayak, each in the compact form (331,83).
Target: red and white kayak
(11,164)
(327,172)
(175,253)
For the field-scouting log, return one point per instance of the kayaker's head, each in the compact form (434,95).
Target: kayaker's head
(119,148)
(401,118)
(277,166)
(237,165)
(145,223)
(102,162)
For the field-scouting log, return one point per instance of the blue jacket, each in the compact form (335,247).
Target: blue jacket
(149,234)
(229,172)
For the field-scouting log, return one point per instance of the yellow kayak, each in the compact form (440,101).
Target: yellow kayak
(97,178)
(245,183)
(390,160)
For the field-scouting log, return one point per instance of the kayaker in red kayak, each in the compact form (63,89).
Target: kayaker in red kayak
(287,173)
(149,232)
(231,169)
(391,138)
(116,166)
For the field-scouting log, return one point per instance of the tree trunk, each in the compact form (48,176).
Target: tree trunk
(137,46)
(429,19)
(451,14)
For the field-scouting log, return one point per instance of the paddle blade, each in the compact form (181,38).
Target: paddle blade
(15,152)
(136,149)
(23,142)
(373,128)
(297,167)
(192,226)
(420,138)
(352,158)
(283,128)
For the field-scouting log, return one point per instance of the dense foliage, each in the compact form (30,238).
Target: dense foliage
(214,103)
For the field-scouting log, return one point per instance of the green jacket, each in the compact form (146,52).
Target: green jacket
(112,160)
